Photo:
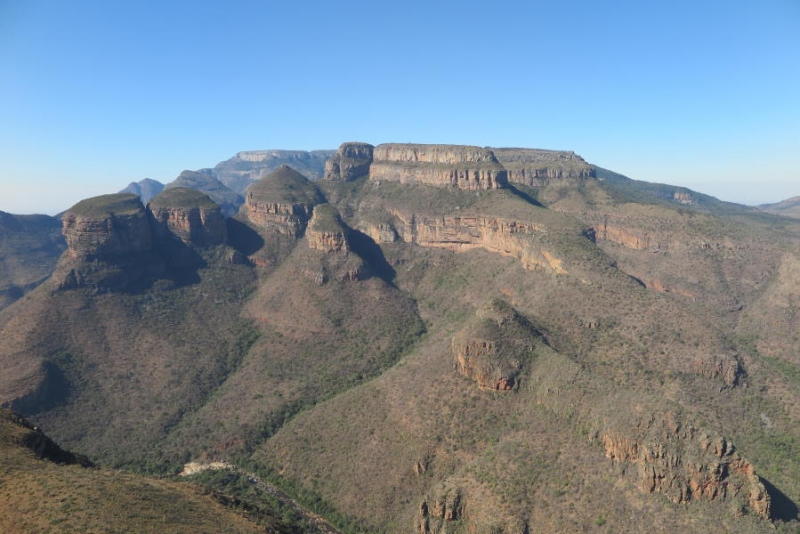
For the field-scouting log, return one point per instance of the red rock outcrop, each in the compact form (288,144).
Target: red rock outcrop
(537,168)
(329,255)
(351,161)
(189,215)
(326,232)
(107,226)
(282,202)
(110,244)
(462,167)
(685,464)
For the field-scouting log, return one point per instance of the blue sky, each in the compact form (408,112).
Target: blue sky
(96,94)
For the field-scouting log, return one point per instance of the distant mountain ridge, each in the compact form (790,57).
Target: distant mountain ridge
(789,207)
(247,167)
(145,189)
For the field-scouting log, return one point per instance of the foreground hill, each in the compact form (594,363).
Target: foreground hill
(434,338)
(45,489)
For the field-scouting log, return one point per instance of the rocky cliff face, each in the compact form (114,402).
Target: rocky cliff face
(326,231)
(663,455)
(189,215)
(351,161)
(329,237)
(462,167)
(106,227)
(537,168)
(109,240)
(282,202)
(506,237)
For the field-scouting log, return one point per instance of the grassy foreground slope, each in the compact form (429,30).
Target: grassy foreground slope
(37,495)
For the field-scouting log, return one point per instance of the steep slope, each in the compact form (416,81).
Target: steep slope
(29,249)
(45,489)
(135,329)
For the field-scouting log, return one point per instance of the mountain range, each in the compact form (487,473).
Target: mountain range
(425,338)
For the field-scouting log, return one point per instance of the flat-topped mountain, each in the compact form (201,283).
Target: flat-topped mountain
(434,338)
(464,167)
(248,167)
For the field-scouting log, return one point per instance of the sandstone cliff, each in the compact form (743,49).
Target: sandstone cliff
(328,235)
(507,237)
(107,226)
(462,167)
(189,215)
(537,168)
(351,161)
(109,240)
(282,202)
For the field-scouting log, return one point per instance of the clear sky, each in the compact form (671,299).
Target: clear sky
(96,94)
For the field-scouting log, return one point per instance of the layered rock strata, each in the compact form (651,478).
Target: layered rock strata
(462,167)
(189,215)
(328,236)
(107,226)
(326,232)
(507,237)
(282,202)
(536,168)
(109,240)
(351,161)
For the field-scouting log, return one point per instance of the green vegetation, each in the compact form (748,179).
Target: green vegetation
(182,197)
(119,204)
(285,185)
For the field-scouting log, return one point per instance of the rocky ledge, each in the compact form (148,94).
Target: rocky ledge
(461,233)
(189,215)
(459,166)
(351,161)
(282,202)
(536,168)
